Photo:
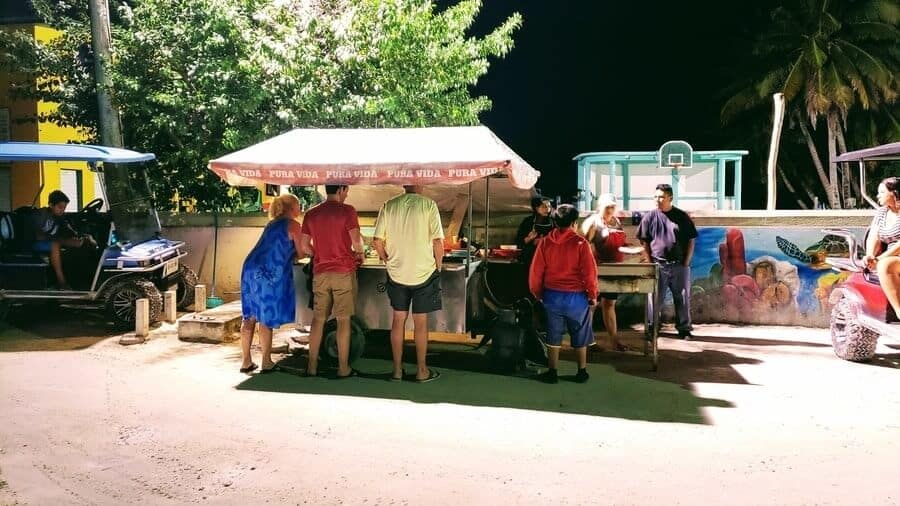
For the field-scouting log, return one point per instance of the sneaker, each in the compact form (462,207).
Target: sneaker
(549,376)
(582,376)
(687,336)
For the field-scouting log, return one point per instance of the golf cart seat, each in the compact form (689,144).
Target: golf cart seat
(15,240)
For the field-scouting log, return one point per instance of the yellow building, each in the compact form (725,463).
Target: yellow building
(23,184)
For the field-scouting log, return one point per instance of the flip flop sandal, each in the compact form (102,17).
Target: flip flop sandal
(396,379)
(274,368)
(250,368)
(432,375)
(353,372)
(307,374)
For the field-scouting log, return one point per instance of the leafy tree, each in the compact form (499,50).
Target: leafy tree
(195,79)
(832,60)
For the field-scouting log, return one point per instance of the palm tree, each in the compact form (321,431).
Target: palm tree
(829,58)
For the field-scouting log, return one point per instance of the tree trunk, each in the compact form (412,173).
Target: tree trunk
(790,187)
(833,127)
(848,168)
(830,190)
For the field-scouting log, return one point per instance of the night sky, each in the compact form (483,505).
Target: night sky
(604,76)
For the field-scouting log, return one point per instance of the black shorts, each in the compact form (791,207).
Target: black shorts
(609,296)
(425,298)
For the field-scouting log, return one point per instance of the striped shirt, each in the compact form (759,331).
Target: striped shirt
(888,233)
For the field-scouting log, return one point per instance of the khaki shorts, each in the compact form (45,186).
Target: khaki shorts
(334,293)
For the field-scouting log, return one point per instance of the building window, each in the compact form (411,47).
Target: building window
(70,184)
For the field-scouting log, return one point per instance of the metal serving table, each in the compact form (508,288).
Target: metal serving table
(374,309)
(636,278)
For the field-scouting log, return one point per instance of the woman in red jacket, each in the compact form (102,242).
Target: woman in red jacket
(563,276)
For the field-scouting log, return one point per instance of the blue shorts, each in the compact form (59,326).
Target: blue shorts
(568,311)
(41,246)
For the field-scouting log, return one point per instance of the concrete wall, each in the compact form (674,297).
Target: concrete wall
(772,271)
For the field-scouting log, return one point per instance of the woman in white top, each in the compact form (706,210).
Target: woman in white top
(605,235)
(885,230)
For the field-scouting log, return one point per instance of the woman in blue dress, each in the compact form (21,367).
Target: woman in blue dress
(267,281)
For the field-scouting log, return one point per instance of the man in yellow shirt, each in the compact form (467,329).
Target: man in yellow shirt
(409,239)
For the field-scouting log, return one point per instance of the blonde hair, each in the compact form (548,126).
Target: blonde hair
(282,204)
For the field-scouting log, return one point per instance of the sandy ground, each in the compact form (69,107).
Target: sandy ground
(777,420)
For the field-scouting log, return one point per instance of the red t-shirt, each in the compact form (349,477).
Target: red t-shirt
(329,224)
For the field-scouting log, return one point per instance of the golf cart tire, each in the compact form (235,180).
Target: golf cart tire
(851,341)
(121,298)
(187,281)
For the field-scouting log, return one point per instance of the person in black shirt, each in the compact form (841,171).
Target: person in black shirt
(533,228)
(668,235)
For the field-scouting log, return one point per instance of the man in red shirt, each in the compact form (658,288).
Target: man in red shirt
(330,234)
(563,276)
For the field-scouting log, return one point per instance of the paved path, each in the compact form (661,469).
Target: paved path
(761,415)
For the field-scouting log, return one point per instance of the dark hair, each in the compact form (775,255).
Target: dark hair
(565,215)
(665,188)
(893,185)
(56,197)
(331,189)
(537,201)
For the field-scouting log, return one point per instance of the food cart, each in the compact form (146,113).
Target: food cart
(464,169)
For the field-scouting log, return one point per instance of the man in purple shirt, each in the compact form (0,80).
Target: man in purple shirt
(668,235)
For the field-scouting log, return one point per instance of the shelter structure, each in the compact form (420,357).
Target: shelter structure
(461,168)
(698,178)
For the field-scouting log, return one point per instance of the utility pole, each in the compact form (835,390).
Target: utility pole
(110,126)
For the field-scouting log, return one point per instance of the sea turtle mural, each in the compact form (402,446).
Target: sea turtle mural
(814,255)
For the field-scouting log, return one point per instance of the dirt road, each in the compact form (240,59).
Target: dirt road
(738,416)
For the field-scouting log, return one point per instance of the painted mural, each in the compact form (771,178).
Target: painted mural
(765,275)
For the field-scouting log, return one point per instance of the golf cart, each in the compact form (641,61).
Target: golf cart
(861,311)
(133,260)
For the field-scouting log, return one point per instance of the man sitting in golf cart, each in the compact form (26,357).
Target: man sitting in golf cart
(52,232)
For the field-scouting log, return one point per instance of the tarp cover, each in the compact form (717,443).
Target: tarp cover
(883,152)
(388,156)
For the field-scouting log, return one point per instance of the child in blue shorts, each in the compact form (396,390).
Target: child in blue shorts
(563,276)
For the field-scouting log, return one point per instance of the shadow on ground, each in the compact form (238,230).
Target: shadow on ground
(750,341)
(466,379)
(53,328)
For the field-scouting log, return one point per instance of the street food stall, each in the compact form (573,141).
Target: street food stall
(464,169)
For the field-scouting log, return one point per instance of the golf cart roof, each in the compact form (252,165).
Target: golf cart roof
(37,151)
(884,152)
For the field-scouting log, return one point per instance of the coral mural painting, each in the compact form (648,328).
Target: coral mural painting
(759,275)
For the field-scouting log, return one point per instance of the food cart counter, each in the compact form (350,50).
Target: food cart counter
(373,307)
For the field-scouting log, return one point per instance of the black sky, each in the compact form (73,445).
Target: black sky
(614,75)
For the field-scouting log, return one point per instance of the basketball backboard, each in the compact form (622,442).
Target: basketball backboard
(676,155)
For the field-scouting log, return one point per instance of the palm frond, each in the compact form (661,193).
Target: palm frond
(795,79)
(873,68)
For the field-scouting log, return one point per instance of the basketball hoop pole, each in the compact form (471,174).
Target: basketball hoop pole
(675,176)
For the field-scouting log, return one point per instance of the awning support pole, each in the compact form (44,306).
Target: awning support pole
(487,216)
(469,232)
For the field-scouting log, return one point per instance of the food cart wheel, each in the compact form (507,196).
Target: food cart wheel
(328,352)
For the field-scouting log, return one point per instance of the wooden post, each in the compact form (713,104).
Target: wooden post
(142,317)
(199,298)
(169,304)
